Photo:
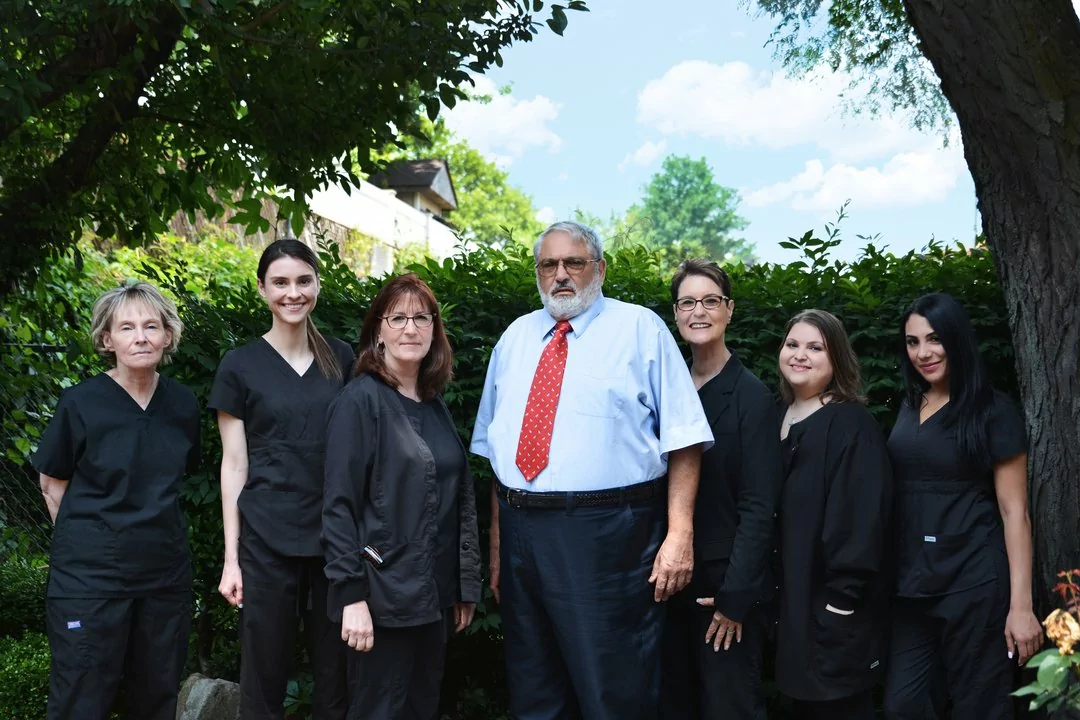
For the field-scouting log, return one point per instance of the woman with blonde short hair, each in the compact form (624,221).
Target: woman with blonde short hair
(112,461)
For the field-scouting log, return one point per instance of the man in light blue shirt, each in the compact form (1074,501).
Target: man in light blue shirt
(584,551)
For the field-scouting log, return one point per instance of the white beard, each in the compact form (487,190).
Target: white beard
(563,307)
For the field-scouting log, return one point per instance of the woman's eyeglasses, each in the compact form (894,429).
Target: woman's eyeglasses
(420,320)
(709,302)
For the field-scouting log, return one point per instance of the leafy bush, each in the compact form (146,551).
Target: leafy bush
(24,677)
(22,594)
(480,294)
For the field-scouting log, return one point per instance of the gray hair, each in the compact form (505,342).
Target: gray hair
(577,233)
(106,307)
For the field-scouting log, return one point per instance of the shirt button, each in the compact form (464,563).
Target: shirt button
(464,546)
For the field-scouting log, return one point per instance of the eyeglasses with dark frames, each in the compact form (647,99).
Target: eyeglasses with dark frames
(709,302)
(573,265)
(421,321)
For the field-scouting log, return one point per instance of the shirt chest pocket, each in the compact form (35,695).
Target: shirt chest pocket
(595,395)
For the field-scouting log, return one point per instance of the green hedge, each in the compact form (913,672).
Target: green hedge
(480,294)
(24,677)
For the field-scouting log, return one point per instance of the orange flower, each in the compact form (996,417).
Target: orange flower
(1063,629)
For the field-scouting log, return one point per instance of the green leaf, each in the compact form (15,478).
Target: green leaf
(558,21)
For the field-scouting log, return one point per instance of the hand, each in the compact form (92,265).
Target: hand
(1023,635)
(721,629)
(231,586)
(673,566)
(493,562)
(463,615)
(357,630)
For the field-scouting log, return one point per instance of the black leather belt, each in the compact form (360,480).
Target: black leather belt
(638,494)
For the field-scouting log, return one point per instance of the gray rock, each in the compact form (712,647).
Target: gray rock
(203,698)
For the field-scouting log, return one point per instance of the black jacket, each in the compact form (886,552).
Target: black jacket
(835,512)
(381,495)
(737,497)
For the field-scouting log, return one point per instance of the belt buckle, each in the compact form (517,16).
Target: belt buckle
(509,502)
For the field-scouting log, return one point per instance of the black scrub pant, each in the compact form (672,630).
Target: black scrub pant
(698,683)
(96,641)
(582,632)
(401,676)
(853,707)
(954,641)
(280,592)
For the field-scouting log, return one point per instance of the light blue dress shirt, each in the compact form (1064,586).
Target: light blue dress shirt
(627,400)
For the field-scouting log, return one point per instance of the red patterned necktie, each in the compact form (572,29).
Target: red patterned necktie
(534,443)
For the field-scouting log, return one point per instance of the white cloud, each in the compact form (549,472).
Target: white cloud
(876,161)
(742,106)
(907,179)
(505,128)
(564,176)
(546,215)
(645,155)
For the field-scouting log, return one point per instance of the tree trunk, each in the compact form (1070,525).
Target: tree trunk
(1011,70)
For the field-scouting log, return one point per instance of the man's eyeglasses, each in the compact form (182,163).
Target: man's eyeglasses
(573,265)
(709,302)
(420,320)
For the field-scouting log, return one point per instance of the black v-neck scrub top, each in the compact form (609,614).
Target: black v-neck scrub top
(284,416)
(120,531)
(949,535)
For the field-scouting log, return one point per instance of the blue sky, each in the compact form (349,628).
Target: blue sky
(592,114)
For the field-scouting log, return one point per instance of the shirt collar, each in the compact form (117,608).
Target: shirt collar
(579,323)
(724,382)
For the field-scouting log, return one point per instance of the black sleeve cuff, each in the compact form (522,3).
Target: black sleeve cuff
(736,605)
(346,593)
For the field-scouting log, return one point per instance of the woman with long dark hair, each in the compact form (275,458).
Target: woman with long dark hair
(834,519)
(399,514)
(963,534)
(271,397)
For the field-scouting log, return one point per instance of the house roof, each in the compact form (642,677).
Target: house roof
(430,178)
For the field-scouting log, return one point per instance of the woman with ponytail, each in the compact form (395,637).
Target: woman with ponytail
(271,397)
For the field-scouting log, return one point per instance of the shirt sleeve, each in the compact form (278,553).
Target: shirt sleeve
(760,476)
(352,429)
(62,442)
(478,445)
(1007,436)
(857,509)
(227,394)
(681,419)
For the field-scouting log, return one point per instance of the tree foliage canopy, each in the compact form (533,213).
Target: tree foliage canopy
(685,213)
(871,40)
(119,113)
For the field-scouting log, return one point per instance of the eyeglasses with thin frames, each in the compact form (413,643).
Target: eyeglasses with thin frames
(421,321)
(573,265)
(709,302)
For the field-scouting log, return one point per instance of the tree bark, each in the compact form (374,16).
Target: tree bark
(1011,70)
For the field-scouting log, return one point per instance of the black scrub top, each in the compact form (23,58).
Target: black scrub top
(284,416)
(834,530)
(431,425)
(949,535)
(119,531)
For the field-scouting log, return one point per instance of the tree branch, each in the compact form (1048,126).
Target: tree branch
(70,172)
(98,49)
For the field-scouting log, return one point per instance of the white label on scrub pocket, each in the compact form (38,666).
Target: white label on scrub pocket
(929,538)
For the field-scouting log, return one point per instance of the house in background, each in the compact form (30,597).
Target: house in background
(403,206)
